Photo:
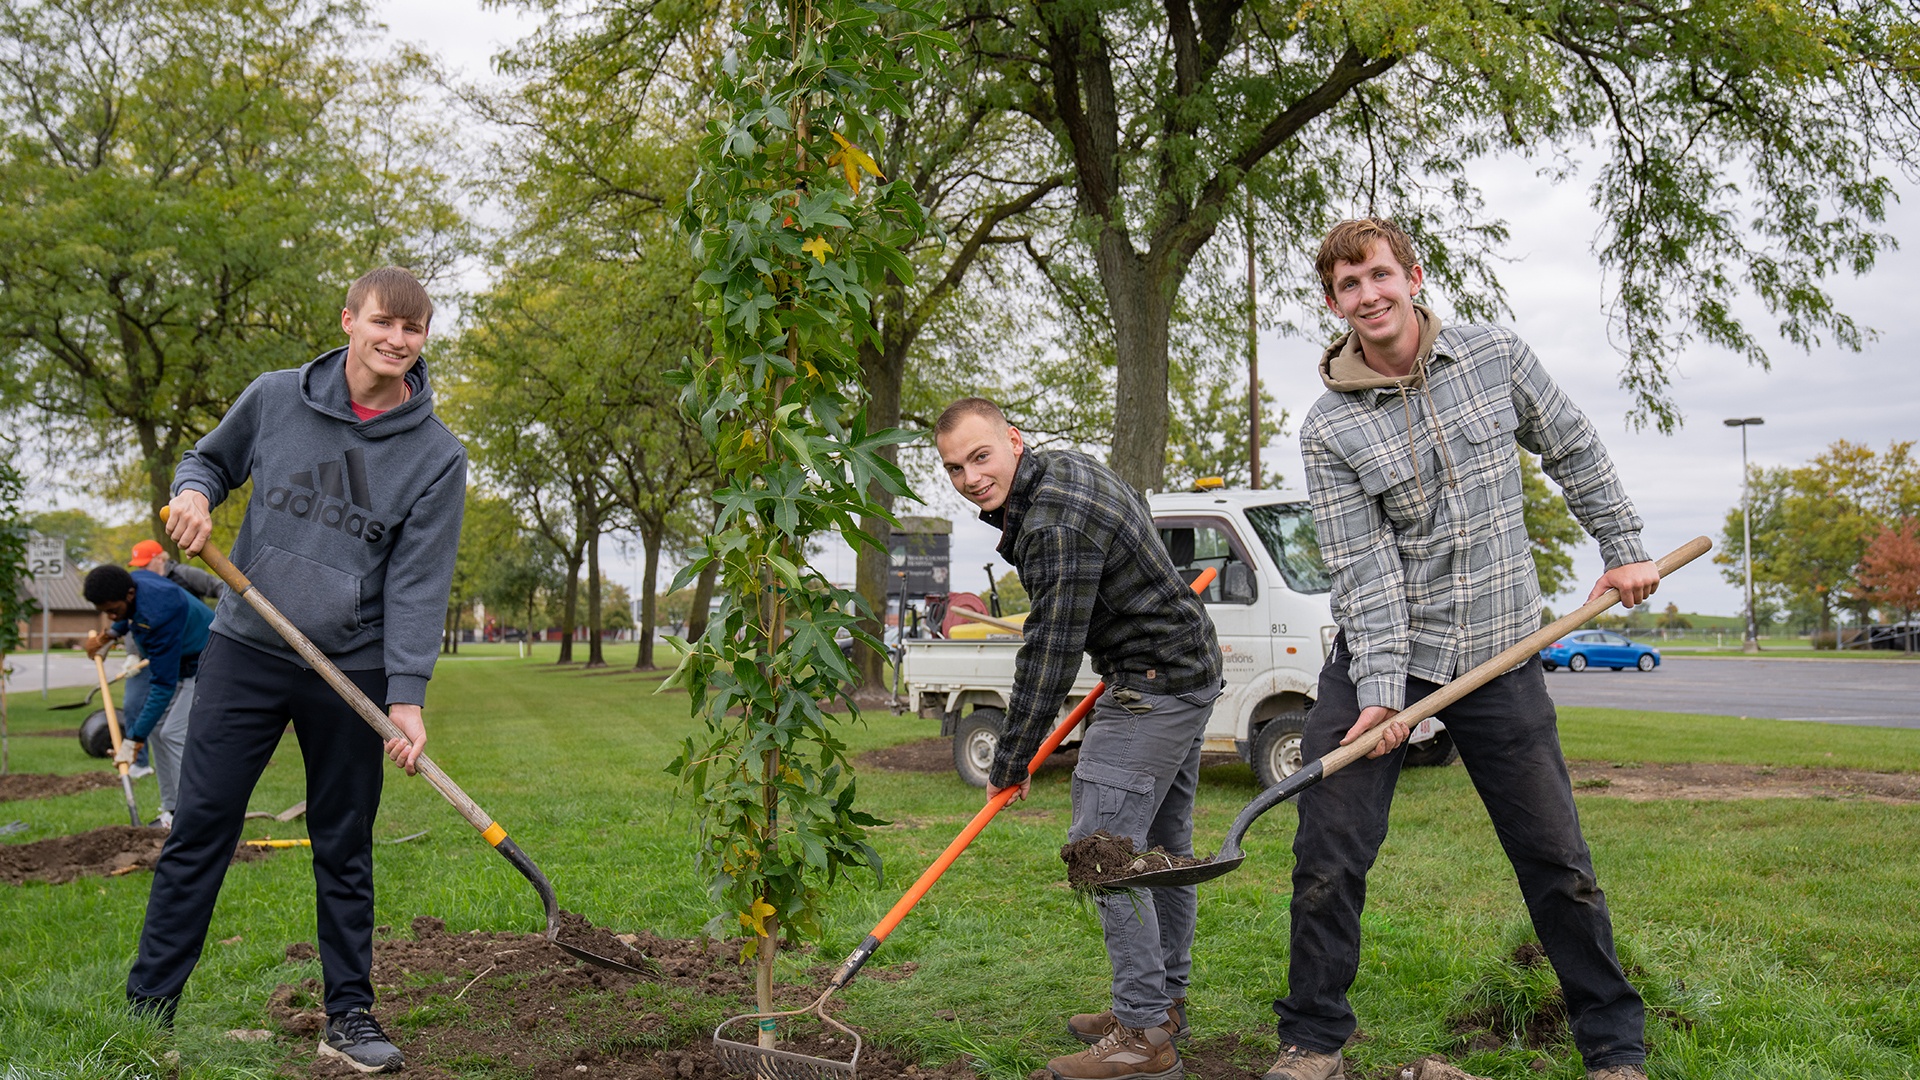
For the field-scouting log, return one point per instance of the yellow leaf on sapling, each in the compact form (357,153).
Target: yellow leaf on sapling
(818,248)
(852,161)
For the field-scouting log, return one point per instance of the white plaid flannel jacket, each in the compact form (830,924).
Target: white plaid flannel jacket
(1420,523)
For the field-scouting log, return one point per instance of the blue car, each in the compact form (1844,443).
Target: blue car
(1598,648)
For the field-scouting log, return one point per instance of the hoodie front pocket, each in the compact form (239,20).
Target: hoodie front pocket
(322,601)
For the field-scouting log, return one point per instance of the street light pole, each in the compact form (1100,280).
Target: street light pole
(1752,642)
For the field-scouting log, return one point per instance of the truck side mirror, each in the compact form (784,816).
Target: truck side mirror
(1236,583)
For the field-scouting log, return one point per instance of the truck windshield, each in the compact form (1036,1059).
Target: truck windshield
(1287,531)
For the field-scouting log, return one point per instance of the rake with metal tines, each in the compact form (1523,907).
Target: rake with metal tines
(767,1062)
(490,830)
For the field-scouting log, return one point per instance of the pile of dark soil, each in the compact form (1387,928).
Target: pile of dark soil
(1103,857)
(1645,782)
(475,1003)
(105,852)
(16,786)
(936,756)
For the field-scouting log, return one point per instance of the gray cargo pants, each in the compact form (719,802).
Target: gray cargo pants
(168,741)
(1139,767)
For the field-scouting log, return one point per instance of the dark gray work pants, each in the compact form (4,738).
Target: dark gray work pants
(1511,749)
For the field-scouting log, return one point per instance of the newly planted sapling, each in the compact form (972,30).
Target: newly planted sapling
(794,231)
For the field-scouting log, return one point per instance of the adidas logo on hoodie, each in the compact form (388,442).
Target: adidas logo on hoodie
(310,495)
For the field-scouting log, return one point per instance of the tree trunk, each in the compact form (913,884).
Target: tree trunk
(596,652)
(570,606)
(1140,297)
(883,370)
(650,537)
(703,594)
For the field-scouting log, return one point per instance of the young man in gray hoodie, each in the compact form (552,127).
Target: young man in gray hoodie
(351,528)
(1415,480)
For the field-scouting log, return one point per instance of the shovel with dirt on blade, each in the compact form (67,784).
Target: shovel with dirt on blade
(490,830)
(1153,869)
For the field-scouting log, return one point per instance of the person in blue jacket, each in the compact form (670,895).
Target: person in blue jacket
(171,627)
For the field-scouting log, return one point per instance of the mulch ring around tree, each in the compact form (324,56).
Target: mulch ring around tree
(466,1004)
(17,786)
(104,852)
(482,1003)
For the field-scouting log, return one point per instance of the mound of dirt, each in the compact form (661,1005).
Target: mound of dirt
(936,756)
(1102,858)
(18,786)
(1642,782)
(105,852)
(513,1003)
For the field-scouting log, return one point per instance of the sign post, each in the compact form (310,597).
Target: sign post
(46,560)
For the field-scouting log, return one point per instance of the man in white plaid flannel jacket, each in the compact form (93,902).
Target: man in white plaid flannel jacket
(1415,480)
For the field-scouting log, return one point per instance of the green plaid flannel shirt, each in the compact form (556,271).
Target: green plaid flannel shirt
(1101,583)
(1422,529)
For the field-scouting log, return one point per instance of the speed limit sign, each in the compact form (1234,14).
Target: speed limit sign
(47,557)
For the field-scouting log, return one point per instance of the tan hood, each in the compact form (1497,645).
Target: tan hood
(1342,367)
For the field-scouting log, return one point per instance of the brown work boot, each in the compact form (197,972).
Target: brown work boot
(1090,1028)
(1299,1063)
(1124,1052)
(1617,1072)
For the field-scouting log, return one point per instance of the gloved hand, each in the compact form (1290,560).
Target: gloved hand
(129,749)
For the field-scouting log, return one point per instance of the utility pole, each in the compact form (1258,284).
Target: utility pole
(1752,643)
(1253,353)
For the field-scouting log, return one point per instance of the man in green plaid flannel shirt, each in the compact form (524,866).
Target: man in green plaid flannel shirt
(1415,480)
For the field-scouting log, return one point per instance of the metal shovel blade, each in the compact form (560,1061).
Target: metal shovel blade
(1230,856)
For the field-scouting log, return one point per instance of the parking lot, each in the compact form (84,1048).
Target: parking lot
(1881,693)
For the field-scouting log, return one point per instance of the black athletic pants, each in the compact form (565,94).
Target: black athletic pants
(1510,745)
(240,709)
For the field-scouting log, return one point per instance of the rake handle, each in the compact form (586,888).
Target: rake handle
(855,960)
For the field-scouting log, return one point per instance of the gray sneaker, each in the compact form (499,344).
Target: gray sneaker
(355,1037)
(1617,1072)
(1299,1063)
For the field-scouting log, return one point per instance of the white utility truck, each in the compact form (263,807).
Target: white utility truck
(1268,604)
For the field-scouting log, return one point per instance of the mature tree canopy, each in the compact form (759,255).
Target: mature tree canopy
(186,190)
(1744,144)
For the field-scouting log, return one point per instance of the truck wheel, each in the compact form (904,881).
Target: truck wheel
(1438,750)
(975,738)
(1276,749)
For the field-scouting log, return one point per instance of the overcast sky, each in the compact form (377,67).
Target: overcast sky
(1683,483)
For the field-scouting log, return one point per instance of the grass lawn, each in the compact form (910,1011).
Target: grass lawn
(1777,937)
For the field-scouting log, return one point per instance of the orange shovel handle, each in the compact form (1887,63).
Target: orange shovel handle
(979,822)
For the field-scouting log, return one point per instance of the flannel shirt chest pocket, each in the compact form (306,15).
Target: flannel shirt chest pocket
(1486,446)
(1403,480)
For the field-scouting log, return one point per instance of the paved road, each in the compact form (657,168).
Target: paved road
(67,667)
(1875,693)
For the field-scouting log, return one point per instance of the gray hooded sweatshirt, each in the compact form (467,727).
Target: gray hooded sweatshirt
(352,525)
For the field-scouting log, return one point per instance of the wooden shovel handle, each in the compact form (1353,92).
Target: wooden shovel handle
(113,719)
(371,713)
(1513,656)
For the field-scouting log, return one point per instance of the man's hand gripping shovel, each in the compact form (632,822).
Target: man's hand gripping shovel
(762,1060)
(490,830)
(1231,856)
